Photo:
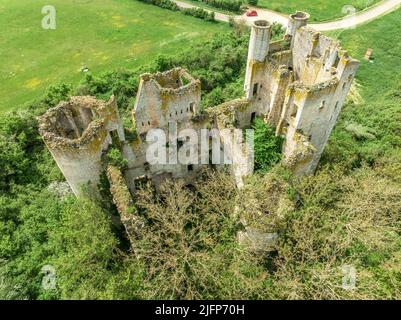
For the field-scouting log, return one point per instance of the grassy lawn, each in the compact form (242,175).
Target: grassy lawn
(383,35)
(320,10)
(100,34)
(379,84)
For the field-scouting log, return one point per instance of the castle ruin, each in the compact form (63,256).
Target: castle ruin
(298,85)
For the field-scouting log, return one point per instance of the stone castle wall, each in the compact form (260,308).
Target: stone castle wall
(298,85)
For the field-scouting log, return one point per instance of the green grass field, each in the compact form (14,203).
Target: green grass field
(100,34)
(320,10)
(379,84)
(384,37)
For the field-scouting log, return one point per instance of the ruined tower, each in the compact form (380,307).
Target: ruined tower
(257,52)
(299,86)
(295,22)
(163,97)
(76,133)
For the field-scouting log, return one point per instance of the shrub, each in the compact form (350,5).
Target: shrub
(253,2)
(166,4)
(266,145)
(231,5)
(199,13)
(116,159)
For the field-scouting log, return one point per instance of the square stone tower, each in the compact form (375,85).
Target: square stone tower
(299,85)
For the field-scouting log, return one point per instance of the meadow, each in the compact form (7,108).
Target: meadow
(98,34)
(320,10)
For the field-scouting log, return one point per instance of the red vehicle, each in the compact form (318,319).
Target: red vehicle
(251,13)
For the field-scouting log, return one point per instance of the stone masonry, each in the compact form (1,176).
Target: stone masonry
(298,85)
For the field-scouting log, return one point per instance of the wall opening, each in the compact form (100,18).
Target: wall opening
(336,62)
(255,89)
(114,137)
(180,143)
(253,117)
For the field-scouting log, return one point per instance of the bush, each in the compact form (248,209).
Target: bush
(253,2)
(166,4)
(199,13)
(171,5)
(267,146)
(115,158)
(231,5)
(23,157)
(341,220)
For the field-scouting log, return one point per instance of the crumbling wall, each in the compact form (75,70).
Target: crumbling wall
(298,85)
(170,96)
(76,133)
(123,200)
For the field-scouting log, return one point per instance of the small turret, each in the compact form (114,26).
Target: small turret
(258,50)
(296,21)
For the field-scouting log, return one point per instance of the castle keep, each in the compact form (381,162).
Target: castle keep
(298,85)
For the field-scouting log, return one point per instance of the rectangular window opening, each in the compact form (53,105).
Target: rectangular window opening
(255,89)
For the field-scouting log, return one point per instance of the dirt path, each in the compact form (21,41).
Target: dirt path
(369,14)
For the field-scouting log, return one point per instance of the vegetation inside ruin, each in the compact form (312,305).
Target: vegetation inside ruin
(348,213)
(116,159)
(267,146)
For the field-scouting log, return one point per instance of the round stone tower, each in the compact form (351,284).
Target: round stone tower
(259,42)
(258,50)
(76,133)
